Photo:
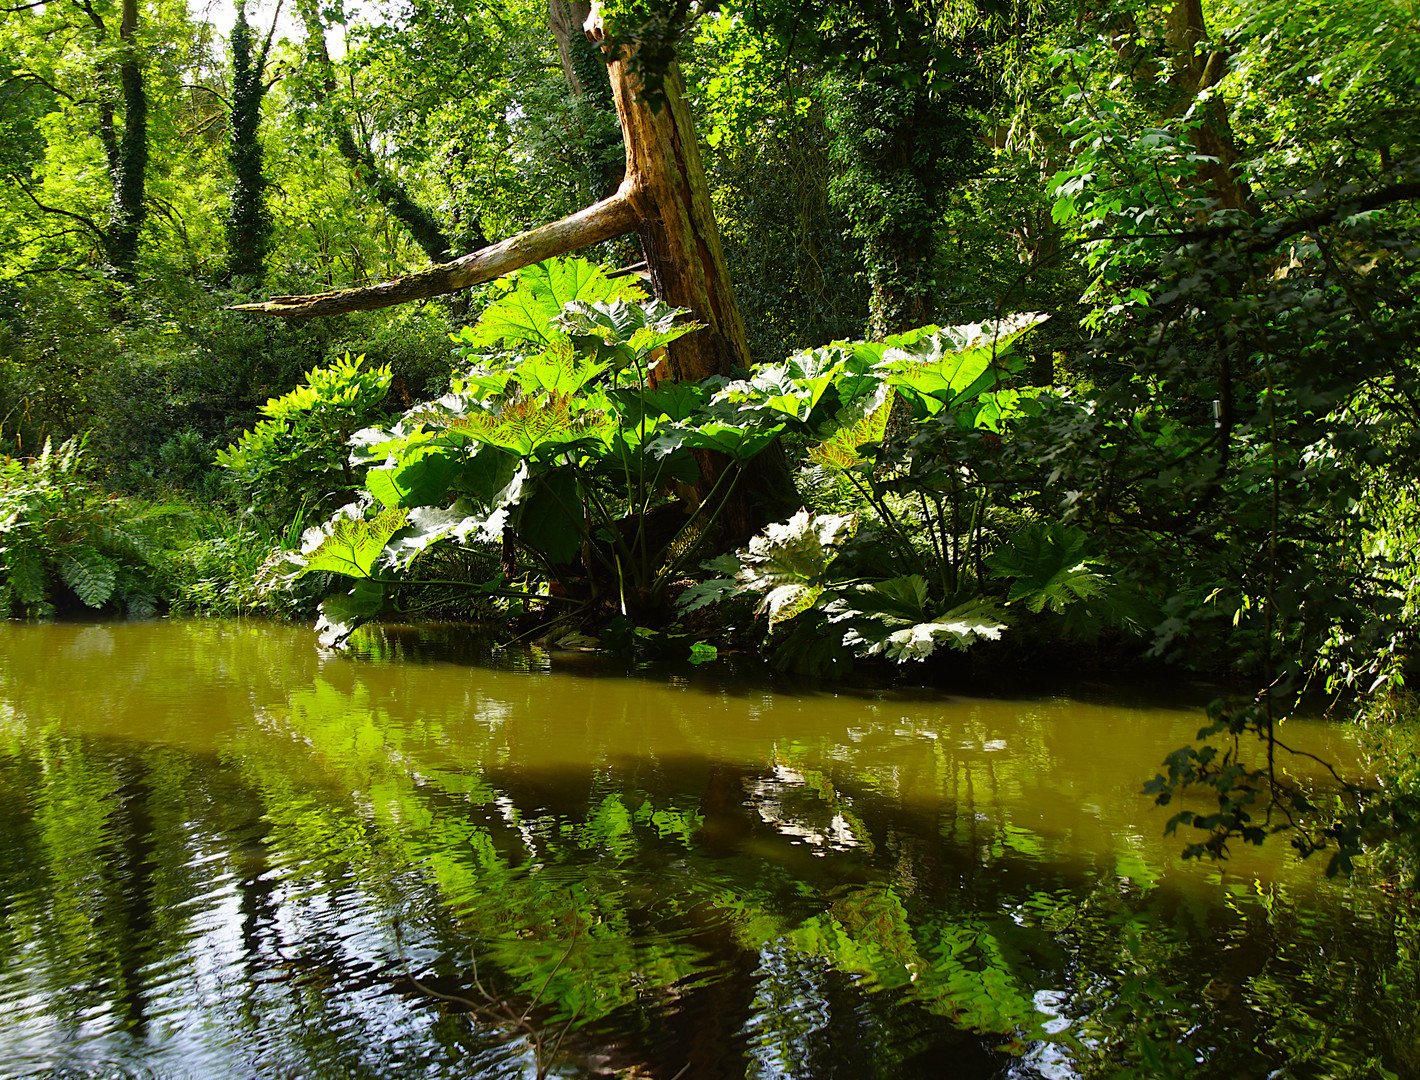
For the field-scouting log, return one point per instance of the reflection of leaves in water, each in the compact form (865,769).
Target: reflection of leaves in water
(948,911)
(596,913)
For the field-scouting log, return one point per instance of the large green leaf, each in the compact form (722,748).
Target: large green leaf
(90,575)
(485,477)
(714,588)
(955,364)
(462,523)
(550,519)
(795,387)
(642,327)
(896,619)
(420,477)
(991,410)
(739,441)
(557,370)
(788,561)
(350,546)
(526,312)
(541,423)
(921,640)
(865,424)
(1050,565)
(677,401)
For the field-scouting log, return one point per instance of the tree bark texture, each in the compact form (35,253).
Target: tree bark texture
(129,162)
(665,182)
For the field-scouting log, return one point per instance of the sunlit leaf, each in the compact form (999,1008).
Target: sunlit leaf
(525,313)
(530,424)
(738,442)
(420,477)
(350,546)
(787,562)
(868,424)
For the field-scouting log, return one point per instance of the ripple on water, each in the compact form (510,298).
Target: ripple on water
(753,884)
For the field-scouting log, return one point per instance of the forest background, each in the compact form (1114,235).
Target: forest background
(1201,450)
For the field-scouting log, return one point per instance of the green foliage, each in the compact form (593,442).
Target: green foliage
(913,579)
(555,442)
(1256,484)
(248,219)
(1051,567)
(62,540)
(790,251)
(299,457)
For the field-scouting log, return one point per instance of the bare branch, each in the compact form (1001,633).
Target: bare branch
(204,88)
(601,221)
(266,45)
(80,218)
(87,7)
(30,76)
(72,271)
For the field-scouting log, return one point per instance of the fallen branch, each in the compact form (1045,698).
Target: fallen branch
(609,218)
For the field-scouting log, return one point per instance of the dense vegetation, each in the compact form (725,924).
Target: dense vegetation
(1086,332)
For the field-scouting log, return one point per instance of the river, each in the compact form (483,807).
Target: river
(230,855)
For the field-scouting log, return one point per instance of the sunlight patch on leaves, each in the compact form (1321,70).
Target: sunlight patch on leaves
(787,562)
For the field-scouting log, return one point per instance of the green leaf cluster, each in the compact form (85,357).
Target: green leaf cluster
(63,540)
(554,441)
(298,457)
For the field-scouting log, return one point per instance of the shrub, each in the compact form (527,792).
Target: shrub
(298,457)
(63,541)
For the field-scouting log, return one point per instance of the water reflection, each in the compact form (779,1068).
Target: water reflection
(233,856)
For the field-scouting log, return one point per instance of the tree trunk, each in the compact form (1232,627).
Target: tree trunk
(665,183)
(130,162)
(248,222)
(1197,67)
(1194,67)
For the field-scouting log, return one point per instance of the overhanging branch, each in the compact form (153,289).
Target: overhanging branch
(602,221)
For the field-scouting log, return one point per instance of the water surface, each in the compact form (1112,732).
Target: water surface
(230,855)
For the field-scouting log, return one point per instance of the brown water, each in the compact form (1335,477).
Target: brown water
(229,855)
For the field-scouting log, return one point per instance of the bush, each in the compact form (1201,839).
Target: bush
(65,543)
(298,458)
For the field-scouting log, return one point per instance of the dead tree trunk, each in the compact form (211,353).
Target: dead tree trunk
(665,198)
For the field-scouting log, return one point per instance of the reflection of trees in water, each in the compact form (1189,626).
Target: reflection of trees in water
(789,916)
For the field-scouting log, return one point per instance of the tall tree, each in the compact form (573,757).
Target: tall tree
(418,220)
(664,196)
(248,220)
(903,141)
(52,44)
(127,148)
